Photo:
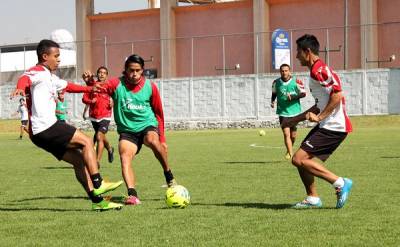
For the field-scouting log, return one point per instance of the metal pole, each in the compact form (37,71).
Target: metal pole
(76,61)
(223,77)
(256,80)
(364,59)
(346,23)
(105,52)
(327,47)
(257,54)
(24,56)
(162,57)
(192,60)
(291,50)
(132,48)
(223,55)
(191,97)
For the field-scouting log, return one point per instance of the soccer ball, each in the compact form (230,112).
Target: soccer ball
(261,133)
(177,196)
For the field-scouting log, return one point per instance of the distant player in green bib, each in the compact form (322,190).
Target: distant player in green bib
(139,117)
(61,107)
(287,90)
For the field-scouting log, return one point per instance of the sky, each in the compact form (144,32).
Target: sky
(29,21)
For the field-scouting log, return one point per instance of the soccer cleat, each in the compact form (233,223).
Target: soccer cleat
(288,156)
(342,193)
(106,205)
(307,204)
(132,200)
(106,187)
(110,155)
(172,182)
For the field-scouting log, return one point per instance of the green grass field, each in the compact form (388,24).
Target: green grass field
(241,195)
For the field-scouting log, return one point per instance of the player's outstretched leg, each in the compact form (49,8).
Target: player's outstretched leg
(74,157)
(152,141)
(82,142)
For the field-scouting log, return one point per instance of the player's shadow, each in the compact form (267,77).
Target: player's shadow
(258,205)
(52,198)
(253,162)
(21,204)
(390,157)
(57,167)
(29,209)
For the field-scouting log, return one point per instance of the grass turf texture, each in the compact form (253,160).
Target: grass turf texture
(240,194)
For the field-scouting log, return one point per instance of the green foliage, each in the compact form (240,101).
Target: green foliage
(240,195)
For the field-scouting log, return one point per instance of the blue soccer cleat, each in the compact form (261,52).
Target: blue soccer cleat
(343,193)
(305,204)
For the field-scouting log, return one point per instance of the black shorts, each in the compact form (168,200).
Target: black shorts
(137,138)
(101,126)
(55,139)
(24,123)
(293,127)
(322,142)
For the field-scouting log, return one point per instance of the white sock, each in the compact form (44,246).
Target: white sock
(338,183)
(312,199)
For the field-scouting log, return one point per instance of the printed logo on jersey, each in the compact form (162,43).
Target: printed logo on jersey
(129,105)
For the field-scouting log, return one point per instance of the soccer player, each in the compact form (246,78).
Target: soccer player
(332,127)
(139,117)
(61,107)
(65,142)
(23,111)
(100,107)
(287,90)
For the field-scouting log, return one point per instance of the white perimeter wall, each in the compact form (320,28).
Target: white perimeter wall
(247,97)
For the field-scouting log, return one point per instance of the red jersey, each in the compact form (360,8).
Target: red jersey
(99,105)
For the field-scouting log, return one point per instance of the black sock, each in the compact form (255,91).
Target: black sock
(168,176)
(132,192)
(94,198)
(96,180)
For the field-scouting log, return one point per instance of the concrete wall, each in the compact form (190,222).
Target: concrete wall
(213,21)
(216,102)
(209,20)
(119,29)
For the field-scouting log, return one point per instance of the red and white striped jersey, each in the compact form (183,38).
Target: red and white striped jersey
(324,81)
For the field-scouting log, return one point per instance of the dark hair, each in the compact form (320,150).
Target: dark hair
(102,67)
(308,41)
(284,65)
(134,59)
(21,99)
(44,47)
